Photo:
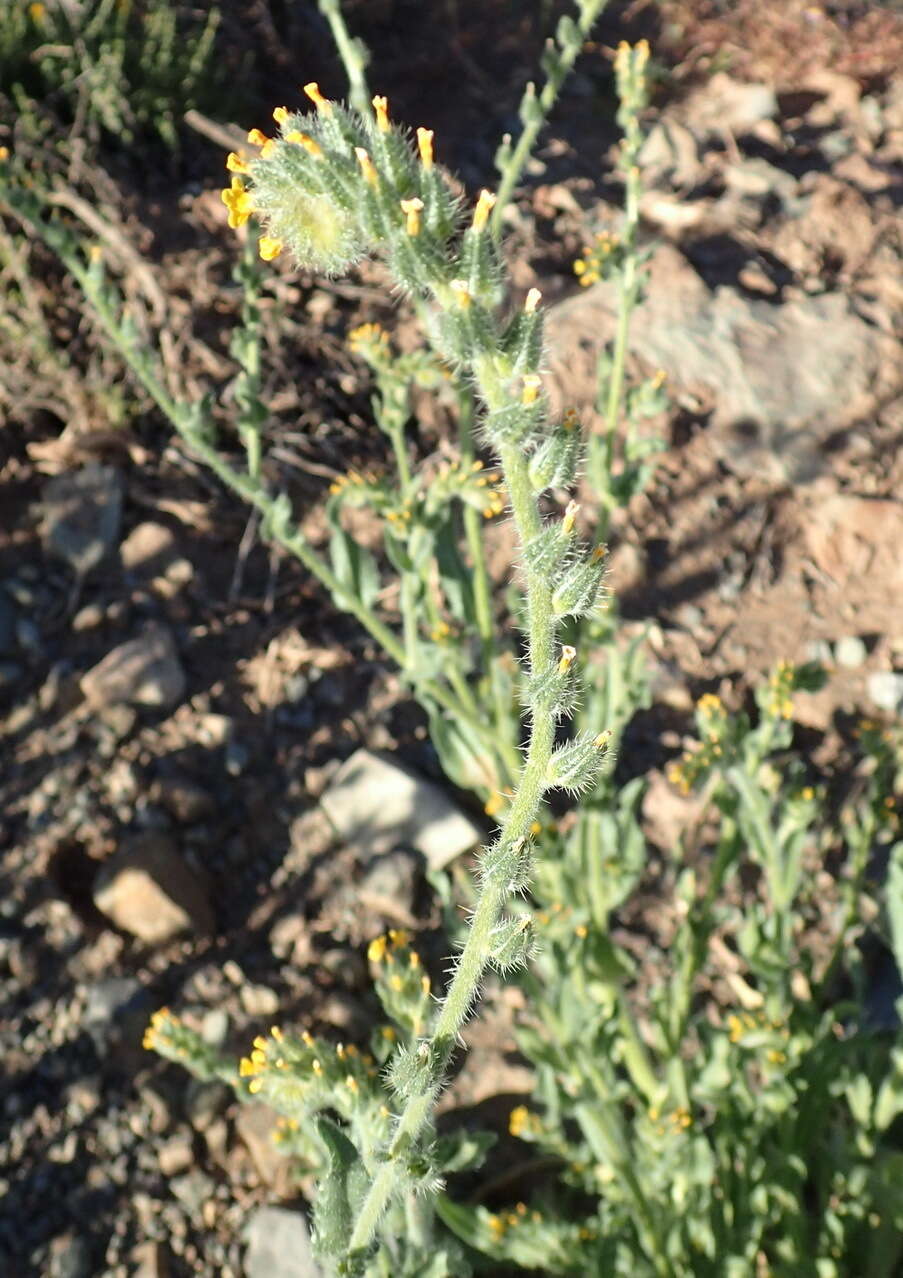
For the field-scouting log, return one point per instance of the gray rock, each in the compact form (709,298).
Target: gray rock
(144,671)
(255,1126)
(259,1000)
(783,378)
(70,1257)
(149,890)
(28,636)
(82,511)
(377,804)
(108,999)
(205,1102)
(193,1190)
(850,652)
(724,105)
(175,1155)
(885,688)
(215,1026)
(278,1245)
(392,878)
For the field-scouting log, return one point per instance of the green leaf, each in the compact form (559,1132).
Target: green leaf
(354,566)
(455,575)
(463,754)
(894,903)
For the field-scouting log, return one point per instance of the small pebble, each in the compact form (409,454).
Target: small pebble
(850,652)
(885,688)
(88,618)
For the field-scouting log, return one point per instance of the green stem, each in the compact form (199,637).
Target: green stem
(558,71)
(353,54)
(405,480)
(495,873)
(482,595)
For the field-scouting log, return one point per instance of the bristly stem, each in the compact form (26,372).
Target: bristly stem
(493,871)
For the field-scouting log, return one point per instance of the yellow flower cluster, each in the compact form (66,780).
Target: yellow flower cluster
(369,340)
(158,1031)
(678,1120)
(254,1065)
(404,986)
(780,686)
(354,479)
(596,258)
(484,492)
(500,1224)
(713,723)
(741,1026)
(381,948)
(399,519)
(523,1122)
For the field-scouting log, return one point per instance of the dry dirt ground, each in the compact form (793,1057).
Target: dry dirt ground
(774,176)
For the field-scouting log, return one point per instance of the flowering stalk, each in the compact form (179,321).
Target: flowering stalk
(352,51)
(332,187)
(619,257)
(558,58)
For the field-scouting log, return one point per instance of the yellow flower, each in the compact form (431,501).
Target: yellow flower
(412,209)
(484,207)
(237,199)
(461,292)
(381,107)
(269,248)
(313,92)
(367,166)
(236,163)
(305,140)
(532,386)
(425,147)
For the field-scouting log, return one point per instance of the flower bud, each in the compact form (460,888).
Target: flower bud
(577,765)
(576,593)
(512,942)
(554,464)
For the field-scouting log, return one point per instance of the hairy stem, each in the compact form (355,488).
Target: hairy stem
(495,889)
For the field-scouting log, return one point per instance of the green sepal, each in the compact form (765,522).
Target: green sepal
(578,590)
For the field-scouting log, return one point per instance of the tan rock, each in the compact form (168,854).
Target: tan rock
(149,890)
(255,1126)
